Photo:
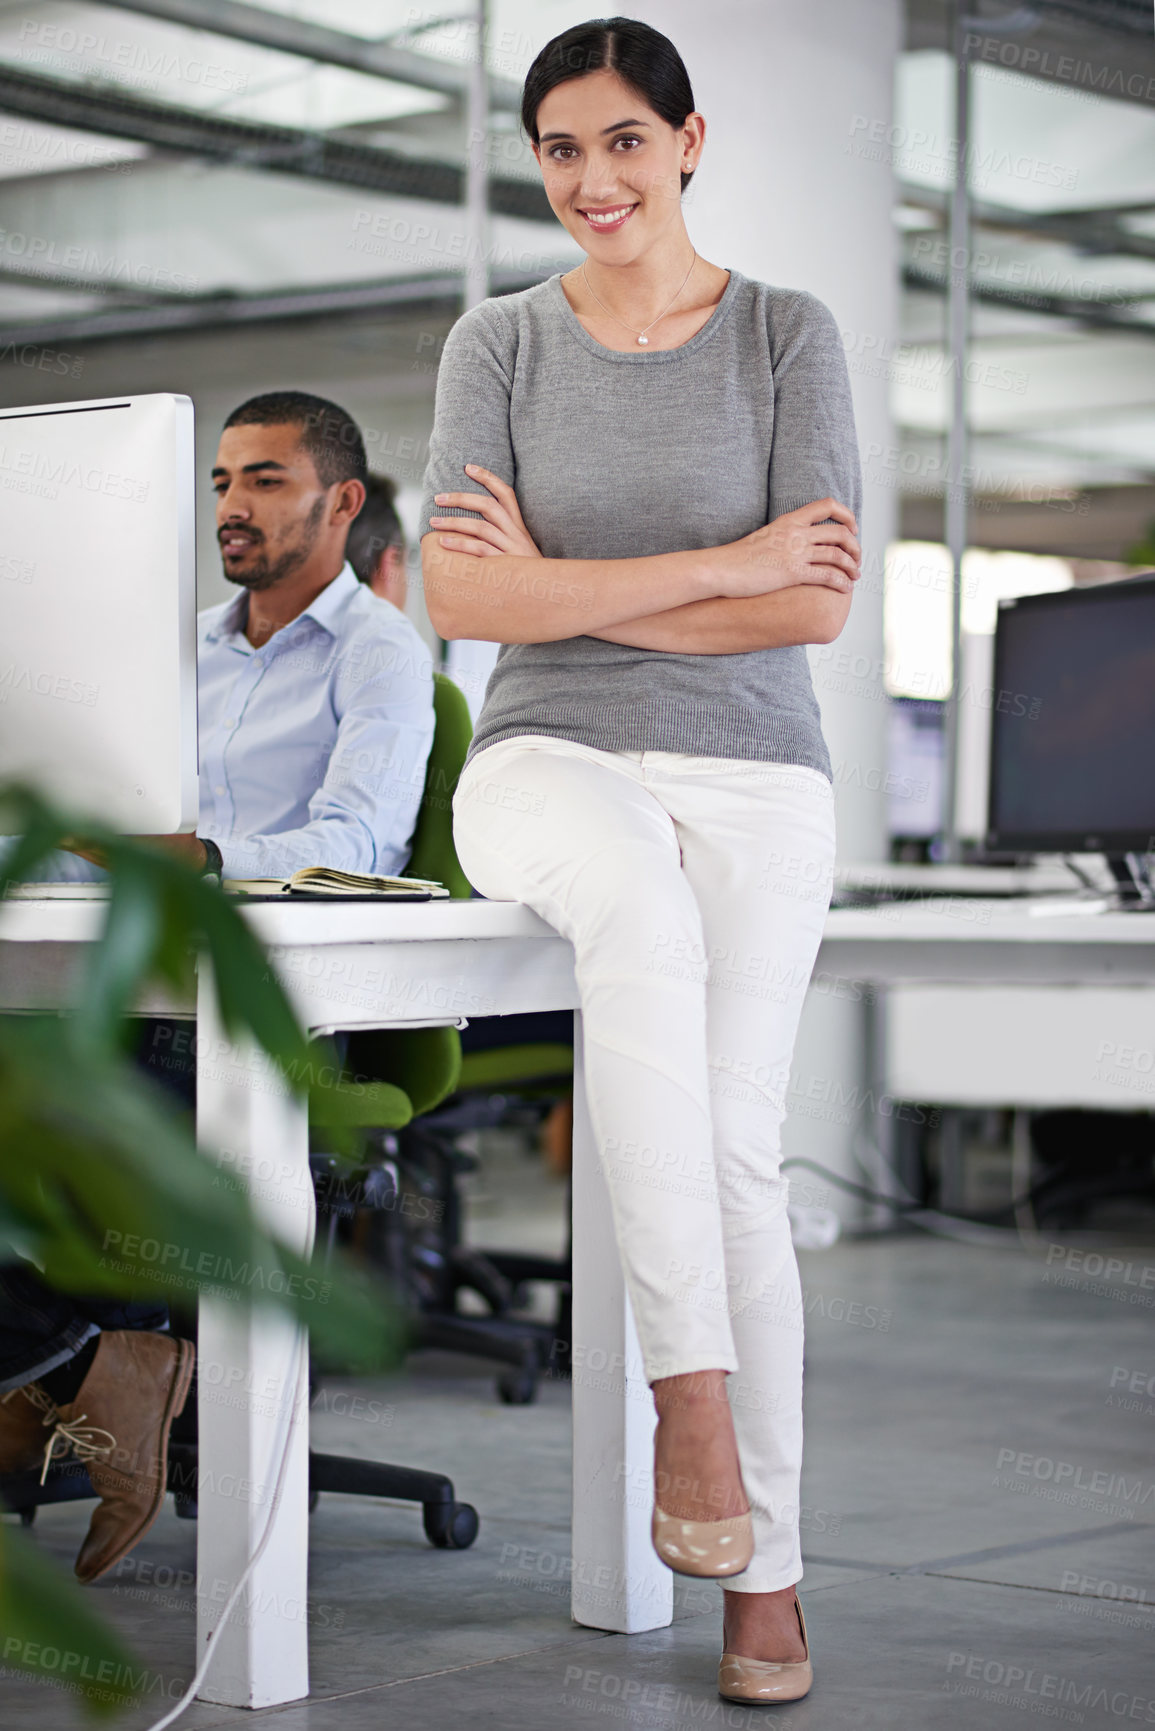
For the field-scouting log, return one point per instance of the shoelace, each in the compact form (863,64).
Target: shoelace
(75,1433)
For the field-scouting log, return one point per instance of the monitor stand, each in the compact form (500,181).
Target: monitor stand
(1134,892)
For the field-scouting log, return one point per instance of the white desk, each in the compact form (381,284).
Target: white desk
(986,1004)
(364,966)
(347,967)
(996,941)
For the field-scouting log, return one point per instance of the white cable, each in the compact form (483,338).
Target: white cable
(1023,1234)
(929,1219)
(967,1231)
(299,1395)
(863,1142)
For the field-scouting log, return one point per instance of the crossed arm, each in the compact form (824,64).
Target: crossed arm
(732,624)
(787,583)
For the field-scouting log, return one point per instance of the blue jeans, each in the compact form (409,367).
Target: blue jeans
(41,1328)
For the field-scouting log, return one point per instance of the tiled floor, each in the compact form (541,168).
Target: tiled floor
(979,1525)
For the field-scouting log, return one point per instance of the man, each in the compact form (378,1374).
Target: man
(315,701)
(315,705)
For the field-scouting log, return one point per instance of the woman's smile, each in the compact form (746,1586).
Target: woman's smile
(611,219)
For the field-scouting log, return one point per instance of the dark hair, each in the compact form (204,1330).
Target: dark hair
(640,55)
(375,527)
(330,435)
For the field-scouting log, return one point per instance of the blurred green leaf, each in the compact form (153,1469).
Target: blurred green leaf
(1143,551)
(37,829)
(127,952)
(159,913)
(118,1199)
(50,1631)
(248,992)
(103,1187)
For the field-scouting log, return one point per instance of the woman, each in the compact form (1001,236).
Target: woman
(648,770)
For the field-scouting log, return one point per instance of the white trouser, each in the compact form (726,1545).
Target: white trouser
(694,891)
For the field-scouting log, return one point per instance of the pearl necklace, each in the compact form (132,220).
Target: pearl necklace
(641,335)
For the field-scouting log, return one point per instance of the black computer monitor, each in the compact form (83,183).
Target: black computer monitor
(1072,761)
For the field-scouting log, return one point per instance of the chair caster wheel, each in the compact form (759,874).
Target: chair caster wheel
(450,1526)
(314,1499)
(186,1508)
(517,1387)
(27,1516)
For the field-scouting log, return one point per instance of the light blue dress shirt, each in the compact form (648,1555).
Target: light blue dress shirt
(314,746)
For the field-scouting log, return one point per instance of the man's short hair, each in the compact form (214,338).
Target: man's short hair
(328,433)
(376,526)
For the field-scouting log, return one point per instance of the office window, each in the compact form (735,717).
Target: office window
(917,606)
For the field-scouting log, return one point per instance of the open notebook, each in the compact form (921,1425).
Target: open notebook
(322,881)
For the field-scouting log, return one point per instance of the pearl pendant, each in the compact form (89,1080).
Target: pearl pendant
(643,339)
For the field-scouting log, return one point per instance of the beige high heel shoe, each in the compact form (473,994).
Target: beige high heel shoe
(766,1680)
(709,1550)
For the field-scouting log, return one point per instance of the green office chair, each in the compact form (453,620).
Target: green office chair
(434,855)
(414,1068)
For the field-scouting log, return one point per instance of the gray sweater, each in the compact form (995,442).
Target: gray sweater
(617,455)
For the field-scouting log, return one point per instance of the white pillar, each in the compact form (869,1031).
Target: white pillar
(792,189)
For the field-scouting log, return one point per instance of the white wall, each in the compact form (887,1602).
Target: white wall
(786,193)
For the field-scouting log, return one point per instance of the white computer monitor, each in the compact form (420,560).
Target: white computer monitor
(98,608)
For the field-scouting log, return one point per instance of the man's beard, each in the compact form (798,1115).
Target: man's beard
(263,573)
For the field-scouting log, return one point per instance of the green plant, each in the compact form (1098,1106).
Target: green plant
(92,1154)
(1143,551)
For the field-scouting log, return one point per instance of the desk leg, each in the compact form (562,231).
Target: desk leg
(618,1581)
(246,1360)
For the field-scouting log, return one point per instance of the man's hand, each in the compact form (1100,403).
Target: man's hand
(797,548)
(189,848)
(95,855)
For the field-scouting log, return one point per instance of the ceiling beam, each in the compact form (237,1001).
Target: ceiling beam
(1094,315)
(1091,47)
(1099,231)
(434,291)
(1107,521)
(113,293)
(266,29)
(327,156)
(439,291)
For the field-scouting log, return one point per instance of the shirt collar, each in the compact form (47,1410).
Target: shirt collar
(326,610)
(329,607)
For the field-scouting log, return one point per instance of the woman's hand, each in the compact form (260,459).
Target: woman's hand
(502,530)
(795,548)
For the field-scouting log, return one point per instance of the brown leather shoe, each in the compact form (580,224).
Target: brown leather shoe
(136,1386)
(27,1433)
